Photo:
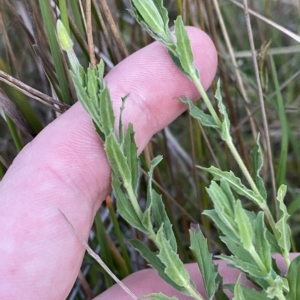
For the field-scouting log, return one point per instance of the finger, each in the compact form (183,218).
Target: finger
(148,281)
(65,168)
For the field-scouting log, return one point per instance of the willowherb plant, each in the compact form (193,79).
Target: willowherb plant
(245,233)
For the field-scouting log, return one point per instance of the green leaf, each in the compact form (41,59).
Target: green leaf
(64,39)
(117,159)
(155,161)
(223,207)
(121,131)
(163,13)
(205,119)
(204,259)
(249,293)
(183,48)
(234,182)
(284,124)
(174,267)
(221,203)
(158,296)
(125,207)
(106,111)
(257,163)
(245,229)
(150,15)
(92,91)
(293,278)
(262,245)
(155,263)
(223,227)
(161,218)
(130,152)
(238,291)
(84,99)
(177,62)
(282,225)
(244,266)
(244,261)
(225,131)
(100,71)
(46,12)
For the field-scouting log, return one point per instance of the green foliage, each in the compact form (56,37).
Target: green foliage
(210,276)
(245,233)
(293,280)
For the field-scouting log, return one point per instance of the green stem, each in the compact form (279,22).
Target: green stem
(280,296)
(206,100)
(240,162)
(271,221)
(133,200)
(242,166)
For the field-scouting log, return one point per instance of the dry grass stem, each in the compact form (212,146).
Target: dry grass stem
(89,33)
(262,106)
(98,259)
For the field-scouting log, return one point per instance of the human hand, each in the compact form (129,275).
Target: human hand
(65,168)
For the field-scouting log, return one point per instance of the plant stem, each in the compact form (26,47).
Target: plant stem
(133,200)
(206,99)
(242,166)
(240,162)
(280,296)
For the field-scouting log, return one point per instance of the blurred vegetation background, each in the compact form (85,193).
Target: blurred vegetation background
(35,88)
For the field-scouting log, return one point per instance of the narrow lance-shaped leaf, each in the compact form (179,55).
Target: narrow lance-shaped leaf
(163,13)
(155,263)
(183,48)
(158,296)
(147,214)
(100,72)
(225,130)
(262,245)
(222,206)
(174,267)
(249,293)
(106,111)
(92,90)
(257,163)
(238,292)
(293,278)
(249,269)
(223,227)
(130,152)
(121,130)
(150,15)
(161,218)
(244,225)
(204,259)
(124,206)
(117,159)
(235,183)
(282,225)
(205,119)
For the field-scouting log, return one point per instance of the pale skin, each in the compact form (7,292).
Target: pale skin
(65,168)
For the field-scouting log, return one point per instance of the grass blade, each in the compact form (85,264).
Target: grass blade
(55,51)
